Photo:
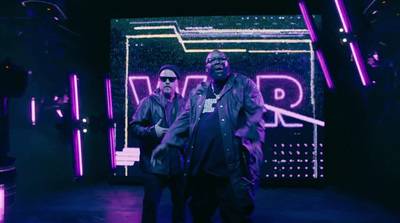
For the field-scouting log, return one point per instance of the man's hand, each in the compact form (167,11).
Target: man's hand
(158,154)
(160,131)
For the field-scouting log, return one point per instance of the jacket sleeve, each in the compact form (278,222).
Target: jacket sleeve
(253,132)
(254,128)
(140,126)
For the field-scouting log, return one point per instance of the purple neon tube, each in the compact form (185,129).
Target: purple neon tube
(2,202)
(76,133)
(344,18)
(314,39)
(111,130)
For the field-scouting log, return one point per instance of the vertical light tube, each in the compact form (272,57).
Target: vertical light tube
(111,129)
(2,202)
(344,18)
(308,21)
(33,111)
(359,63)
(76,132)
(314,39)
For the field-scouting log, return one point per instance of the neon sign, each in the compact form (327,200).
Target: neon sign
(279,94)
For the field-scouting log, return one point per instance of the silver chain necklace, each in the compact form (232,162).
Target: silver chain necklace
(216,95)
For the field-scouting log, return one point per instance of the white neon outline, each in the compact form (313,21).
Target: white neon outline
(295,115)
(282,76)
(278,118)
(276,91)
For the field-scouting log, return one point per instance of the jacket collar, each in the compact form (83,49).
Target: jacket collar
(228,85)
(160,98)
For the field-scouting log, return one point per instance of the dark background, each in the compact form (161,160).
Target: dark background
(361,133)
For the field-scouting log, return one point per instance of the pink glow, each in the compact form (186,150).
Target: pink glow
(344,18)
(33,111)
(282,76)
(324,67)
(294,115)
(359,63)
(111,139)
(78,152)
(76,133)
(111,129)
(131,82)
(2,202)
(308,21)
(314,39)
(110,113)
(59,112)
(189,77)
(279,94)
(74,97)
(278,118)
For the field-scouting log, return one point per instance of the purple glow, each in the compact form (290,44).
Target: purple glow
(189,77)
(344,18)
(76,133)
(294,115)
(279,94)
(33,111)
(308,21)
(278,118)
(353,45)
(131,82)
(280,76)
(59,112)
(111,129)
(74,97)
(2,202)
(359,63)
(314,39)
(110,113)
(324,67)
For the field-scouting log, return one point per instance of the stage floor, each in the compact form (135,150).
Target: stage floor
(107,203)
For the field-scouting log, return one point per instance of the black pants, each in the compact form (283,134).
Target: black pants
(154,185)
(209,192)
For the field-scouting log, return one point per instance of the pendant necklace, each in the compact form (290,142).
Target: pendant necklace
(216,95)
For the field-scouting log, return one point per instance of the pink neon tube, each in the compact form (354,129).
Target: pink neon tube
(76,133)
(111,130)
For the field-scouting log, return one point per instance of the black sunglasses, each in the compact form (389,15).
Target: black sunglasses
(171,79)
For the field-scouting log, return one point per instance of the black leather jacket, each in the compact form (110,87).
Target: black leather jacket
(240,112)
(150,110)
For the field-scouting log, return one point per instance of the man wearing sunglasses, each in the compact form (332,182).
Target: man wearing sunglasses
(154,115)
(223,126)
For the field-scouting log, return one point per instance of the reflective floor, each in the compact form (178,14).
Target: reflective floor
(122,203)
